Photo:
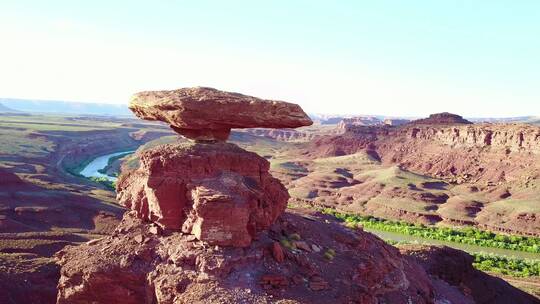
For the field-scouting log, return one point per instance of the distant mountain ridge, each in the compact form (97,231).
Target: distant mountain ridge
(336,119)
(519,119)
(5,109)
(534,120)
(64,107)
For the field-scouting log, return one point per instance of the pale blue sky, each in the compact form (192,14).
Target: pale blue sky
(406,58)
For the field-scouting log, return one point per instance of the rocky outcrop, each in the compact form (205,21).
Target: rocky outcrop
(209,114)
(207,225)
(500,161)
(211,192)
(219,192)
(215,191)
(137,266)
(324,119)
(442,119)
(395,121)
(488,153)
(425,148)
(505,138)
(358,121)
(146,136)
(455,268)
(287,135)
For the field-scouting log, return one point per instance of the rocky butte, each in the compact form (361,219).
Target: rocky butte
(444,118)
(207,224)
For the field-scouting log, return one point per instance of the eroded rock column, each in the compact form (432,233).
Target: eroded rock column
(218,192)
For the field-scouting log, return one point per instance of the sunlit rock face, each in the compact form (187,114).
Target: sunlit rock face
(219,192)
(216,191)
(207,114)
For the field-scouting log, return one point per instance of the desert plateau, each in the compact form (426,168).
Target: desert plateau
(282,152)
(284,219)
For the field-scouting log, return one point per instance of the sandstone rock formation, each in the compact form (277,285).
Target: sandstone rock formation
(136,266)
(216,191)
(207,224)
(208,114)
(219,192)
(496,138)
(358,121)
(286,135)
(500,161)
(395,121)
(442,119)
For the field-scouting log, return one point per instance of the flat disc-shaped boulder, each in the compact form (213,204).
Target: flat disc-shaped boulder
(207,114)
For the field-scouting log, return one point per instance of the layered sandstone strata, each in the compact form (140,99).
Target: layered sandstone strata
(358,121)
(499,162)
(216,191)
(444,118)
(411,144)
(219,192)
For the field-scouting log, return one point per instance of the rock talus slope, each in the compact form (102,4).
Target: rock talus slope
(137,266)
(455,267)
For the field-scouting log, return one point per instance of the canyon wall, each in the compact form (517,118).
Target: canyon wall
(491,171)
(486,152)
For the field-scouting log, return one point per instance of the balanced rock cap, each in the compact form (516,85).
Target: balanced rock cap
(207,114)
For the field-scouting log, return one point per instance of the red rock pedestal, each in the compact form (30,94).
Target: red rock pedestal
(218,192)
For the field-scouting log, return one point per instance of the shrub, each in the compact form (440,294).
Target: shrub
(329,254)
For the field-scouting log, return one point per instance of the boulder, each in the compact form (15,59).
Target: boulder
(206,114)
(277,252)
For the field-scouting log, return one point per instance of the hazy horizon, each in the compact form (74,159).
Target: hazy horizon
(360,58)
(313,114)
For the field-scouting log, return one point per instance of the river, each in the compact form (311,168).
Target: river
(98,163)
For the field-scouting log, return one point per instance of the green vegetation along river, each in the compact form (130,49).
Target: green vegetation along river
(518,256)
(399,237)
